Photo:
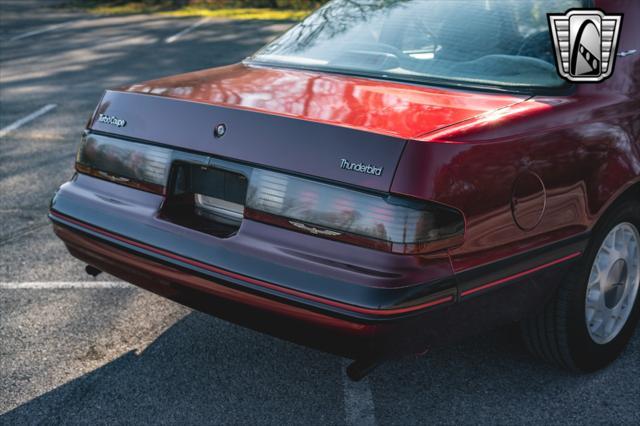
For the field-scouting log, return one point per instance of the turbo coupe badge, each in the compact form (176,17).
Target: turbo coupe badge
(585,41)
(112,120)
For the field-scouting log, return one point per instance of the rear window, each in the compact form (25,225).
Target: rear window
(504,43)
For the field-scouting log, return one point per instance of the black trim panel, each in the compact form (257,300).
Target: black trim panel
(516,266)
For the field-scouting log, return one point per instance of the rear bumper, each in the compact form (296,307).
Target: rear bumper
(353,336)
(271,284)
(282,315)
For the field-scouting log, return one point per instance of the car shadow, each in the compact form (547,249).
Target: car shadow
(492,379)
(204,370)
(200,370)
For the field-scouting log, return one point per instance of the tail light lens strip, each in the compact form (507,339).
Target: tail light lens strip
(382,222)
(133,164)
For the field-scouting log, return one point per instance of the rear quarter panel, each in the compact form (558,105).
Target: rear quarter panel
(584,147)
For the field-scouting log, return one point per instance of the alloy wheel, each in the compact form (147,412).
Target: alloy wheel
(613,283)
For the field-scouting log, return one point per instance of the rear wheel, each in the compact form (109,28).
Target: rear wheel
(593,315)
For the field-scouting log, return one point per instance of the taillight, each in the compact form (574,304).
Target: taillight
(383,222)
(214,197)
(128,163)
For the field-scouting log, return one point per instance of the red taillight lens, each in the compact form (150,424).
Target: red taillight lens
(383,222)
(128,163)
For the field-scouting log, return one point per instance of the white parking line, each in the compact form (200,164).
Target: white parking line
(358,401)
(185,31)
(16,124)
(54,285)
(41,30)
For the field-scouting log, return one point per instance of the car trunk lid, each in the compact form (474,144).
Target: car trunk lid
(345,129)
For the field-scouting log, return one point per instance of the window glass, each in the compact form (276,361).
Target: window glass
(477,42)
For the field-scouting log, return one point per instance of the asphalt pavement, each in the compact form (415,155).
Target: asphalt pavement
(78,350)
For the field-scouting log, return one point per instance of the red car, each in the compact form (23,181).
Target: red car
(386,177)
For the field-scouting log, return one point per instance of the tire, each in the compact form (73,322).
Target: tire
(561,333)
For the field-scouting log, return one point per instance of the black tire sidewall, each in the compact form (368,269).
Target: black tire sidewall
(586,354)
